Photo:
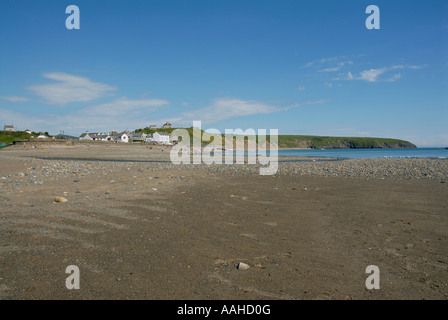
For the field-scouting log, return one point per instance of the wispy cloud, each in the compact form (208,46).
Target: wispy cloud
(70,88)
(337,67)
(331,64)
(14,98)
(417,67)
(379,74)
(227,108)
(320,61)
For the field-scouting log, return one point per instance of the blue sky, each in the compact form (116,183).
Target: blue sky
(303,67)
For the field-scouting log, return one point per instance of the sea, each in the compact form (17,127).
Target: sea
(439,153)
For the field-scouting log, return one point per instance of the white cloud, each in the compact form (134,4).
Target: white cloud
(226,108)
(372,74)
(14,98)
(70,88)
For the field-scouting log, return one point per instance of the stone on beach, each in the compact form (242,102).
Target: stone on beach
(60,199)
(242,266)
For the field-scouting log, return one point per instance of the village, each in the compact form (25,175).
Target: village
(140,135)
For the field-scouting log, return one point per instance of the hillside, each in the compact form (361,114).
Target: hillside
(322,142)
(319,142)
(10,137)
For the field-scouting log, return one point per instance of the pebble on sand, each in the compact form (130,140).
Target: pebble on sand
(60,199)
(242,266)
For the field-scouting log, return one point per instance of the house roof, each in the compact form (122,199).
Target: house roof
(100,136)
(137,134)
(163,133)
(118,135)
(91,134)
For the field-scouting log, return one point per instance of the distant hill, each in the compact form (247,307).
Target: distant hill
(322,142)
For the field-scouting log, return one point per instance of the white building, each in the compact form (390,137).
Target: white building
(167,125)
(95,136)
(161,137)
(7,127)
(121,137)
(149,138)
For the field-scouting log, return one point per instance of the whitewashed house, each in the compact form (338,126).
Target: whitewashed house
(161,137)
(121,137)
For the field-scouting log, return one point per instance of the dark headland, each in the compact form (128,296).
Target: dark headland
(323,142)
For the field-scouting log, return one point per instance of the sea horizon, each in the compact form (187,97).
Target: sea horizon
(368,153)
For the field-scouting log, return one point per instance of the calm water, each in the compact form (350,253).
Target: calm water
(368,153)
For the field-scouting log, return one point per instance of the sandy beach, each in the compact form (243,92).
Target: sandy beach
(140,227)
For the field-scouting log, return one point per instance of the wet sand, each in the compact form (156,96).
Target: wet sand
(152,230)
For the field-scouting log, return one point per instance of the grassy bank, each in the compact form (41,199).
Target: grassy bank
(10,137)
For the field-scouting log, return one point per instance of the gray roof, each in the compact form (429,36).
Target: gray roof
(118,135)
(91,134)
(137,134)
